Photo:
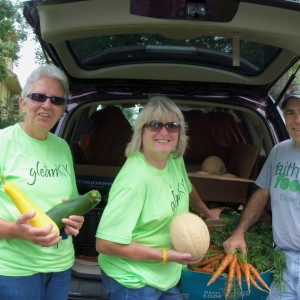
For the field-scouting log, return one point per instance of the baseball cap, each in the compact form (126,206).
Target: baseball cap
(288,97)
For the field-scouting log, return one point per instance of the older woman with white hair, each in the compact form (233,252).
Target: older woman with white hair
(35,263)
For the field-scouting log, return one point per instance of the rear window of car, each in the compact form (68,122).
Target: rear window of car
(211,51)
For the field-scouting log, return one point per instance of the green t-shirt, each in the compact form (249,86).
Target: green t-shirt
(22,161)
(142,203)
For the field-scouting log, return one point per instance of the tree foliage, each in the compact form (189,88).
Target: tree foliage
(8,114)
(13,31)
(41,56)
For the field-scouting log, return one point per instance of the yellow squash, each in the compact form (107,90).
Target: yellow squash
(24,205)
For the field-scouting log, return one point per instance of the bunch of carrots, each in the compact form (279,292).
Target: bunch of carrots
(236,266)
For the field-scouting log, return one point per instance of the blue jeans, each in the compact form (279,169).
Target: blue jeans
(291,276)
(117,291)
(41,286)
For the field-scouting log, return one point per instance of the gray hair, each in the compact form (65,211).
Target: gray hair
(157,108)
(50,71)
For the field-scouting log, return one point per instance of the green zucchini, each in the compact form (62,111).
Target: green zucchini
(78,206)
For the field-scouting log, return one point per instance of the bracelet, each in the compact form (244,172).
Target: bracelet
(165,256)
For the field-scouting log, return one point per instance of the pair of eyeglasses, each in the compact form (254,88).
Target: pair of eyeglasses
(157,126)
(42,98)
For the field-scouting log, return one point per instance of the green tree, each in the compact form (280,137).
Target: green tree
(8,114)
(41,56)
(282,82)
(13,31)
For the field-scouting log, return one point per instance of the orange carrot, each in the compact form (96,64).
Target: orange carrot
(211,259)
(213,265)
(225,263)
(258,277)
(246,270)
(254,283)
(230,276)
(238,275)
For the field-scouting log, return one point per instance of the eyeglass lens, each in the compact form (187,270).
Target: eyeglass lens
(157,126)
(42,98)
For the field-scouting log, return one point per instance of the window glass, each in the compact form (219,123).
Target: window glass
(211,51)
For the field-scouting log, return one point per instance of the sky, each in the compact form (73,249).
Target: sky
(26,63)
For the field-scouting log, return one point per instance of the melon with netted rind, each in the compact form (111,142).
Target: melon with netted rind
(213,165)
(189,234)
(229,175)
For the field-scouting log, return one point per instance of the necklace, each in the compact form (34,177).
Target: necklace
(45,160)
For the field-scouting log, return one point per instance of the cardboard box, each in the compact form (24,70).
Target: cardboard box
(194,287)
(214,225)
(90,177)
(228,189)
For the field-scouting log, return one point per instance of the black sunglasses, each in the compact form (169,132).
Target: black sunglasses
(42,98)
(157,126)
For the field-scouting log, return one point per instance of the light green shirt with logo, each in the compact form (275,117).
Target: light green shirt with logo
(43,170)
(142,203)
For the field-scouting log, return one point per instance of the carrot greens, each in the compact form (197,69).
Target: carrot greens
(261,252)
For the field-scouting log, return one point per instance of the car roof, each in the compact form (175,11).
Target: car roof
(251,44)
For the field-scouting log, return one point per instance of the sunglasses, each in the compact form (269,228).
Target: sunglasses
(157,126)
(42,98)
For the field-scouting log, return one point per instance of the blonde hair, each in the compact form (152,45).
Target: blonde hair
(157,108)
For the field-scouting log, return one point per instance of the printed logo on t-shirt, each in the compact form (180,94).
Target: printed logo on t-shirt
(178,193)
(38,171)
(286,179)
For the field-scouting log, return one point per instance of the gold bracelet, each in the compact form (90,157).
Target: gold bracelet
(165,256)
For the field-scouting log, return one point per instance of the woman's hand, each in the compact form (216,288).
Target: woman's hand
(41,236)
(73,224)
(181,258)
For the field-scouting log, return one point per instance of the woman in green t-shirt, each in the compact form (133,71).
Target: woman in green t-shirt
(35,263)
(152,188)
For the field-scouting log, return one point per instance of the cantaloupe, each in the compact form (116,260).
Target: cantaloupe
(229,175)
(213,165)
(203,173)
(189,234)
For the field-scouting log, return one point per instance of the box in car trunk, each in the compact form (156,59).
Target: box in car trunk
(90,177)
(194,287)
(86,268)
(227,189)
